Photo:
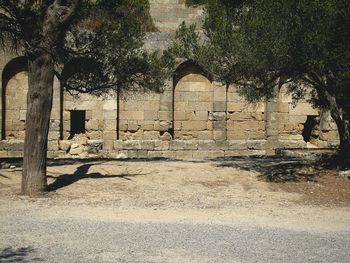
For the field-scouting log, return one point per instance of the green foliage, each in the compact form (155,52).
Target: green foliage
(102,48)
(259,45)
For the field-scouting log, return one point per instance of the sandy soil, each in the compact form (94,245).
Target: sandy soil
(182,191)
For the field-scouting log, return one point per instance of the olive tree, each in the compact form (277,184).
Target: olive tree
(107,35)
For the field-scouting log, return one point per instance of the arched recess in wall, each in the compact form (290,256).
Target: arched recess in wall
(193,97)
(14,98)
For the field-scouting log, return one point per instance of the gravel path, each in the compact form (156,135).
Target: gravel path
(115,211)
(29,238)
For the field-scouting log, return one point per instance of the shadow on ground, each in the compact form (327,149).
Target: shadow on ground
(280,168)
(10,254)
(82,173)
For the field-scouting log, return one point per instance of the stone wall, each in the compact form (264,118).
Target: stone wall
(169,14)
(192,118)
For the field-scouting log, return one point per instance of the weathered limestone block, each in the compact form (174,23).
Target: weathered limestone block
(151,135)
(52,146)
(147,145)
(64,145)
(94,146)
(161,145)
(256,144)
(76,149)
(150,115)
(206,145)
(302,109)
(183,145)
(13,145)
(131,115)
(133,126)
(237,145)
(291,144)
(109,135)
(194,125)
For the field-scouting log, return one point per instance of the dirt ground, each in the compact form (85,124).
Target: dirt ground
(193,191)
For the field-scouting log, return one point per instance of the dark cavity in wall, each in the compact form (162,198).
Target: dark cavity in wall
(309,126)
(77,122)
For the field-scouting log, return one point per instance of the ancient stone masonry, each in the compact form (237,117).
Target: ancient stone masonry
(193,118)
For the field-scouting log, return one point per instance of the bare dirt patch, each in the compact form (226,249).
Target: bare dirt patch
(223,191)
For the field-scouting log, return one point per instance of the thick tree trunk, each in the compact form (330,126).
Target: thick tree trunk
(342,120)
(39,103)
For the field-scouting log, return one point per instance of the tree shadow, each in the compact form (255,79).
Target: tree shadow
(80,174)
(10,254)
(277,168)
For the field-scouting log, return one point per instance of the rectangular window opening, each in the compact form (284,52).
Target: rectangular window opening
(77,122)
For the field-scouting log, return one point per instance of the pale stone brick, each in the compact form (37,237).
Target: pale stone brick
(194,125)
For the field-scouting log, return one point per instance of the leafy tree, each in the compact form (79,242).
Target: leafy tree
(101,43)
(260,44)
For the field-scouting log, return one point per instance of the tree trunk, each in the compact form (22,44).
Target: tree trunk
(39,103)
(342,120)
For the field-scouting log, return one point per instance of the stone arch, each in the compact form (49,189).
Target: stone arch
(193,97)
(14,98)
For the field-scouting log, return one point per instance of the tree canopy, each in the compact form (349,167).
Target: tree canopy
(91,46)
(261,44)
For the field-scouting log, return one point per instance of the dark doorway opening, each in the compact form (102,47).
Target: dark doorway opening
(309,126)
(77,122)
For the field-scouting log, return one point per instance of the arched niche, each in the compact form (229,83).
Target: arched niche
(14,101)
(193,103)
(14,98)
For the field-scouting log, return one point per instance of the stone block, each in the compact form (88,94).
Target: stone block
(183,145)
(151,135)
(76,149)
(13,145)
(194,125)
(108,145)
(98,114)
(94,146)
(183,155)
(131,115)
(237,145)
(94,135)
(161,145)
(22,115)
(206,145)
(92,125)
(206,135)
(240,116)
(64,145)
(165,115)
(3,154)
(147,145)
(219,135)
(180,115)
(109,135)
(109,115)
(302,109)
(109,105)
(164,125)
(219,106)
(142,153)
(256,144)
(52,146)
(133,126)
(150,115)
(166,136)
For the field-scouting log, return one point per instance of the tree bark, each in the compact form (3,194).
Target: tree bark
(39,101)
(342,120)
